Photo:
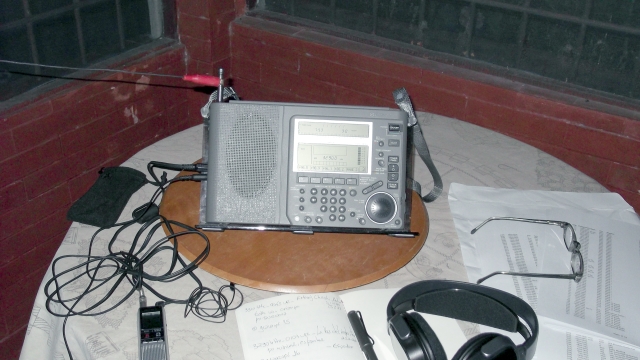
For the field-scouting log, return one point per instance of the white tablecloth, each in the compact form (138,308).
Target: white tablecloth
(463,153)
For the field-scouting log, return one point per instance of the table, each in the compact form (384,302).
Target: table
(464,153)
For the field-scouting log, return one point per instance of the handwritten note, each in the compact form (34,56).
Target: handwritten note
(297,326)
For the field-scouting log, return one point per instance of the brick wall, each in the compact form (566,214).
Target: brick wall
(51,148)
(272,61)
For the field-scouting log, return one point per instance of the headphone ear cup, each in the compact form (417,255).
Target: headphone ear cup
(427,338)
(474,345)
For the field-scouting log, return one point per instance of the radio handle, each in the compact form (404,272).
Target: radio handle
(403,101)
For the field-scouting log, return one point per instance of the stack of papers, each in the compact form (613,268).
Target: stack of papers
(596,317)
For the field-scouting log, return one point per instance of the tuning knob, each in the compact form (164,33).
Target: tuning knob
(381,208)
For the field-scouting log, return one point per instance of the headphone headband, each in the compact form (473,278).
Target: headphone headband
(491,307)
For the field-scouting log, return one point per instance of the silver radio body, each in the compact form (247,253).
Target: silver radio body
(306,168)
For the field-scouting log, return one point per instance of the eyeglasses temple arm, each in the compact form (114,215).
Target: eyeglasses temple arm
(552,276)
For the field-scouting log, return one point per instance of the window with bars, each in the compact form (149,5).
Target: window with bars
(593,44)
(73,33)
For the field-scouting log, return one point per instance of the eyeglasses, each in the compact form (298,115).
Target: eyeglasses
(570,241)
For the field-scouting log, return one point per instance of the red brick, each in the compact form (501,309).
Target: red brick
(197,27)
(13,274)
(604,145)
(318,44)
(219,26)
(24,115)
(489,93)
(15,221)
(319,69)
(625,177)
(220,6)
(361,62)
(193,7)
(446,82)
(7,147)
(196,48)
(17,306)
(438,101)
(251,27)
(632,128)
(37,132)
(245,68)
(11,345)
(22,242)
(221,49)
(358,80)
(297,85)
(29,161)
(12,196)
(88,135)
(351,97)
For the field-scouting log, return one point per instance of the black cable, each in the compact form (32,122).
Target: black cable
(106,273)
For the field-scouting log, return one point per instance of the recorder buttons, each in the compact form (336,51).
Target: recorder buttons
(381,208)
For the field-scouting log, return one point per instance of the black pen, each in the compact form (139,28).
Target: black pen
(365,341)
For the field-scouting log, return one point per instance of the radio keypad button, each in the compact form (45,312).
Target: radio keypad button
(342,209)
(392,176)
(332,217)
(323,208)
(327,180)
(380,154)
(380,162)
(323,200)
(394,168)
(313,191)
(343,192)
(352,181)
(353,193)
(301,199)
(301,208)
(339,181)
(303,179)
(332,209)
(392,185)
(334,192)
(394,142)
(342,201)
(324,191)
(319,219)
(301,191)
(333,200)
(316,180)
(381,143)
(352,214)
(307,219)
(394,127)
(341,218)
(313,199)
(394,159)
(362,221)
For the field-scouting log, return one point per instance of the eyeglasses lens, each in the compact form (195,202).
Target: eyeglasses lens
(570,238)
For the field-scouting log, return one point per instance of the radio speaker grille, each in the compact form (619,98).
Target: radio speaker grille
(248,176)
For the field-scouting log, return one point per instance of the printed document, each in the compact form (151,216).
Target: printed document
(597,315)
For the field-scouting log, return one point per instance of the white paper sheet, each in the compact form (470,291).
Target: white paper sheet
(601,306)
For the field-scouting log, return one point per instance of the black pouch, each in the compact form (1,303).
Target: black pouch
(103,203)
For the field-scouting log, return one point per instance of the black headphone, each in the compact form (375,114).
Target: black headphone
(414,339)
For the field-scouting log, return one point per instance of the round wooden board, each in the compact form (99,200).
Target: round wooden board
(292,263)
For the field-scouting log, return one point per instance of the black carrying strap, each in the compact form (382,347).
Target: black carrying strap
(403,101)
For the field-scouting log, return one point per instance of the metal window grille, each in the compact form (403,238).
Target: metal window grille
(69,33)
(590,43)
